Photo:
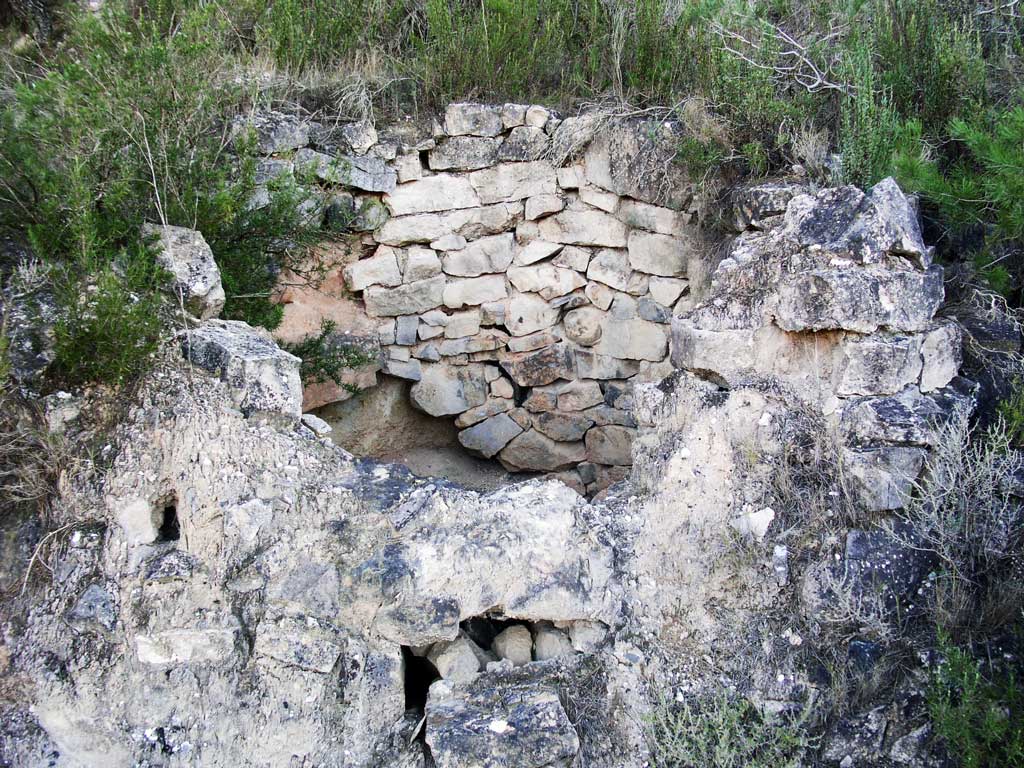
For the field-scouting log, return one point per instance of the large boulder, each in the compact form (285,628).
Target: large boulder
(262,377)
(195,277)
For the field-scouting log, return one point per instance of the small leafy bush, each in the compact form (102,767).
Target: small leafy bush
(979,718)
(325,357)
(722,732)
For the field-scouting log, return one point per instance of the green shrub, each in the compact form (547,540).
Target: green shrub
(722,732)
(868,124)
(325,357)
(128,122)
(979,718)
(985,184)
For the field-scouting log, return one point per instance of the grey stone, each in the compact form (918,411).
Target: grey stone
(543,366)
(366,173)
(469,222)
(420,264)
(584,228)
(94,607)
(410,370)
(316,425)
(579,394)
(611,267)
(489,436)
(536,250)
(472,119)
(632,340)
(407,299)
(534,451)
(584,325)
(405,329)
(515,644)
(864,227)
(474,291)
(524,144)
(464,153)
(941,356)
(752,205)
(650,310)
(527,728)
(444,390)
(275,132)
(563,427)
(882,478)
(492,407)
(878,365)
(442,192)
(610,445)
(195,276)
(620,157)
(262,378)
(857,300)
(653,218)
(514,181)
(573,257)
(488,255)
(603,415)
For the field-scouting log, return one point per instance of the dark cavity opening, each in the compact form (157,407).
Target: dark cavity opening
(170,529)
(483,629)
(419,674)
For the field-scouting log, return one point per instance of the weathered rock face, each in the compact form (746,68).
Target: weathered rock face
(301,594)
(196,278)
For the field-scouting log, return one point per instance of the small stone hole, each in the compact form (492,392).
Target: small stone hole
(419,674)
(170,530)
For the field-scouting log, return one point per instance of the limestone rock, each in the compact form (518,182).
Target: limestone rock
(653,218)
(882,478)
(543,366)
(469,222)
(490,436)
(584,325)
(488,255)
(619,159)
(467,345)
(666,290)
(590,365)
(601,296)
(533,341)
(464,153)
(455,660)
(632,340)
(474,291)
(527,313)
(563,427)
(492,407)
(524,143)
(420,264)
(657,254)
(472,119)
(611,267)
(856,300)
(752,205)
(878,365)
(584,228)
(551,643)
(406,299)
(598,198)
(380,269)
(185,254)
(513,115)
(262,377)
(534,451)
(610,445)
(515,644)
(513,181)
(542,205)
(866,227)
(445,390)
(547,280)
(573,257)
(408,167)
(366,173)
(461,324)
(443,192)
(527,728)
(535,251)
(941,356)
(275,131)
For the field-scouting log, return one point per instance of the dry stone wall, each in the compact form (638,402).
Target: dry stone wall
(523,270)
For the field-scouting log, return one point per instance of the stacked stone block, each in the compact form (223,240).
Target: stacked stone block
(522,288)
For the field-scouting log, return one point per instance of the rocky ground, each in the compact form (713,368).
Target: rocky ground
(239,589)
